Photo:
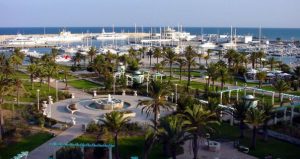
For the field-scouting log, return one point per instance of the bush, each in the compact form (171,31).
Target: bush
(93,127)
(70,153)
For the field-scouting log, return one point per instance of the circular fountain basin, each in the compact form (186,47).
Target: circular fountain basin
(111,104)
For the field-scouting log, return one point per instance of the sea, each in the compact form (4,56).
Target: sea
(269,33)
(286,34)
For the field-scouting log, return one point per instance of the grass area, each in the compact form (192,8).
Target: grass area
(128,146)
(279,149)
(25,144)
(83,84)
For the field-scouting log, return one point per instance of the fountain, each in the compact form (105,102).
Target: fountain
(108,103)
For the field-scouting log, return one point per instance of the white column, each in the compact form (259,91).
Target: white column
(231,119)
(38,99)
(284,114)
(147,85)
(237,95)
(221,96)
(56,89)
(253,92)
(281,98)
(273,96)
(229,94)
(292,115)
(110,153)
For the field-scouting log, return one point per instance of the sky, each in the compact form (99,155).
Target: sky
(189,13)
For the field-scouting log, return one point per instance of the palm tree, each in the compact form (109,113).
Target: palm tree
(157,92)
(18,85)
(172,134)
(260,55)
(170,57)
(223,73)
(77,58)
(243,59)
(158,67)
(150,139)
(115,122)
(54,53)
(255,118)
(150,53)
(6,87)
(212,73)
(253,58)
(297,73)
(6,68)
(32,69)
(181,62)
(261,76)
(199,121)
(239,113)
(206,58)
(157,53)
(92,53)
(230,54)
(189,55)
(267,109)
(49,69)
(220,53)
(17,58)
(281,86)
(272,61)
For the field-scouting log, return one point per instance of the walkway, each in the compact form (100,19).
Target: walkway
(226,152)
(45,150)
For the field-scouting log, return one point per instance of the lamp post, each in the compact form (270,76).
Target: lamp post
(207,136)
(38,99)
(172,97)
(147,84)
(114,85)
(176,95)
(56,90)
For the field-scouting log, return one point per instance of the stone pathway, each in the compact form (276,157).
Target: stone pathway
(226,152)
(45,150)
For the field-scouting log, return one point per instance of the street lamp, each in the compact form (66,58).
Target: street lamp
(147,84)
(207,136)
(176,95)
(172,97)
(250,101)
(114,85)
(56,89)
(38,99)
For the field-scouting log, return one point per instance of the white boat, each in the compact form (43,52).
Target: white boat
(208,45)
(21,40)
(63,58)
(64,36)
(111,36)
(33,54)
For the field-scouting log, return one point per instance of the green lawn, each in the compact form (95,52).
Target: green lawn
(128,146)
(279,149)
(26,144)
(83,84)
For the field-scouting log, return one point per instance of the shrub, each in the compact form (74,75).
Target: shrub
(93,127)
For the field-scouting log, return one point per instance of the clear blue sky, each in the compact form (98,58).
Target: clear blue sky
(215,13)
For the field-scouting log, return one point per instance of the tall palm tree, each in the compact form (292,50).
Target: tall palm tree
(268,111)
(157,92)
(54,53)
(223,73)
(92,53)
(253,59)
(157,53)
(18,86)
(281,86)
(244,60)
(297,73)
(230,54)
(170,57)
(255,117)
(173,134)
(49,70)
(206,58)
(6,87)
(32,69)
(150,54)
(189,55)
(77,58)
(115,122)
(212,73)
(239,113)
(181,62)
(158,67)
(260,56)
(17,58)
(150,139)
(6,68)
(199,121)
(272,62)
(261,76)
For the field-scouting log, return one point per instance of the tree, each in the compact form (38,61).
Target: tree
(150,53)
(181,62)
(77,58)
(255,118)
(272,62)
(92,53)
(239,113)
(170,57)
(115,122)
(157,92)
(32,69)
(17,57)
(157,53)
(49,69)
(260,56)
(223,73)
(261,76)
(6,87)
(206,58)
(199,121)
(54,53)
(189,55)
(172,134)
(297,73)
(230,54)
(281,86)
(267,109)
(253,58)
(150,139)
(18,86)
(212,73)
